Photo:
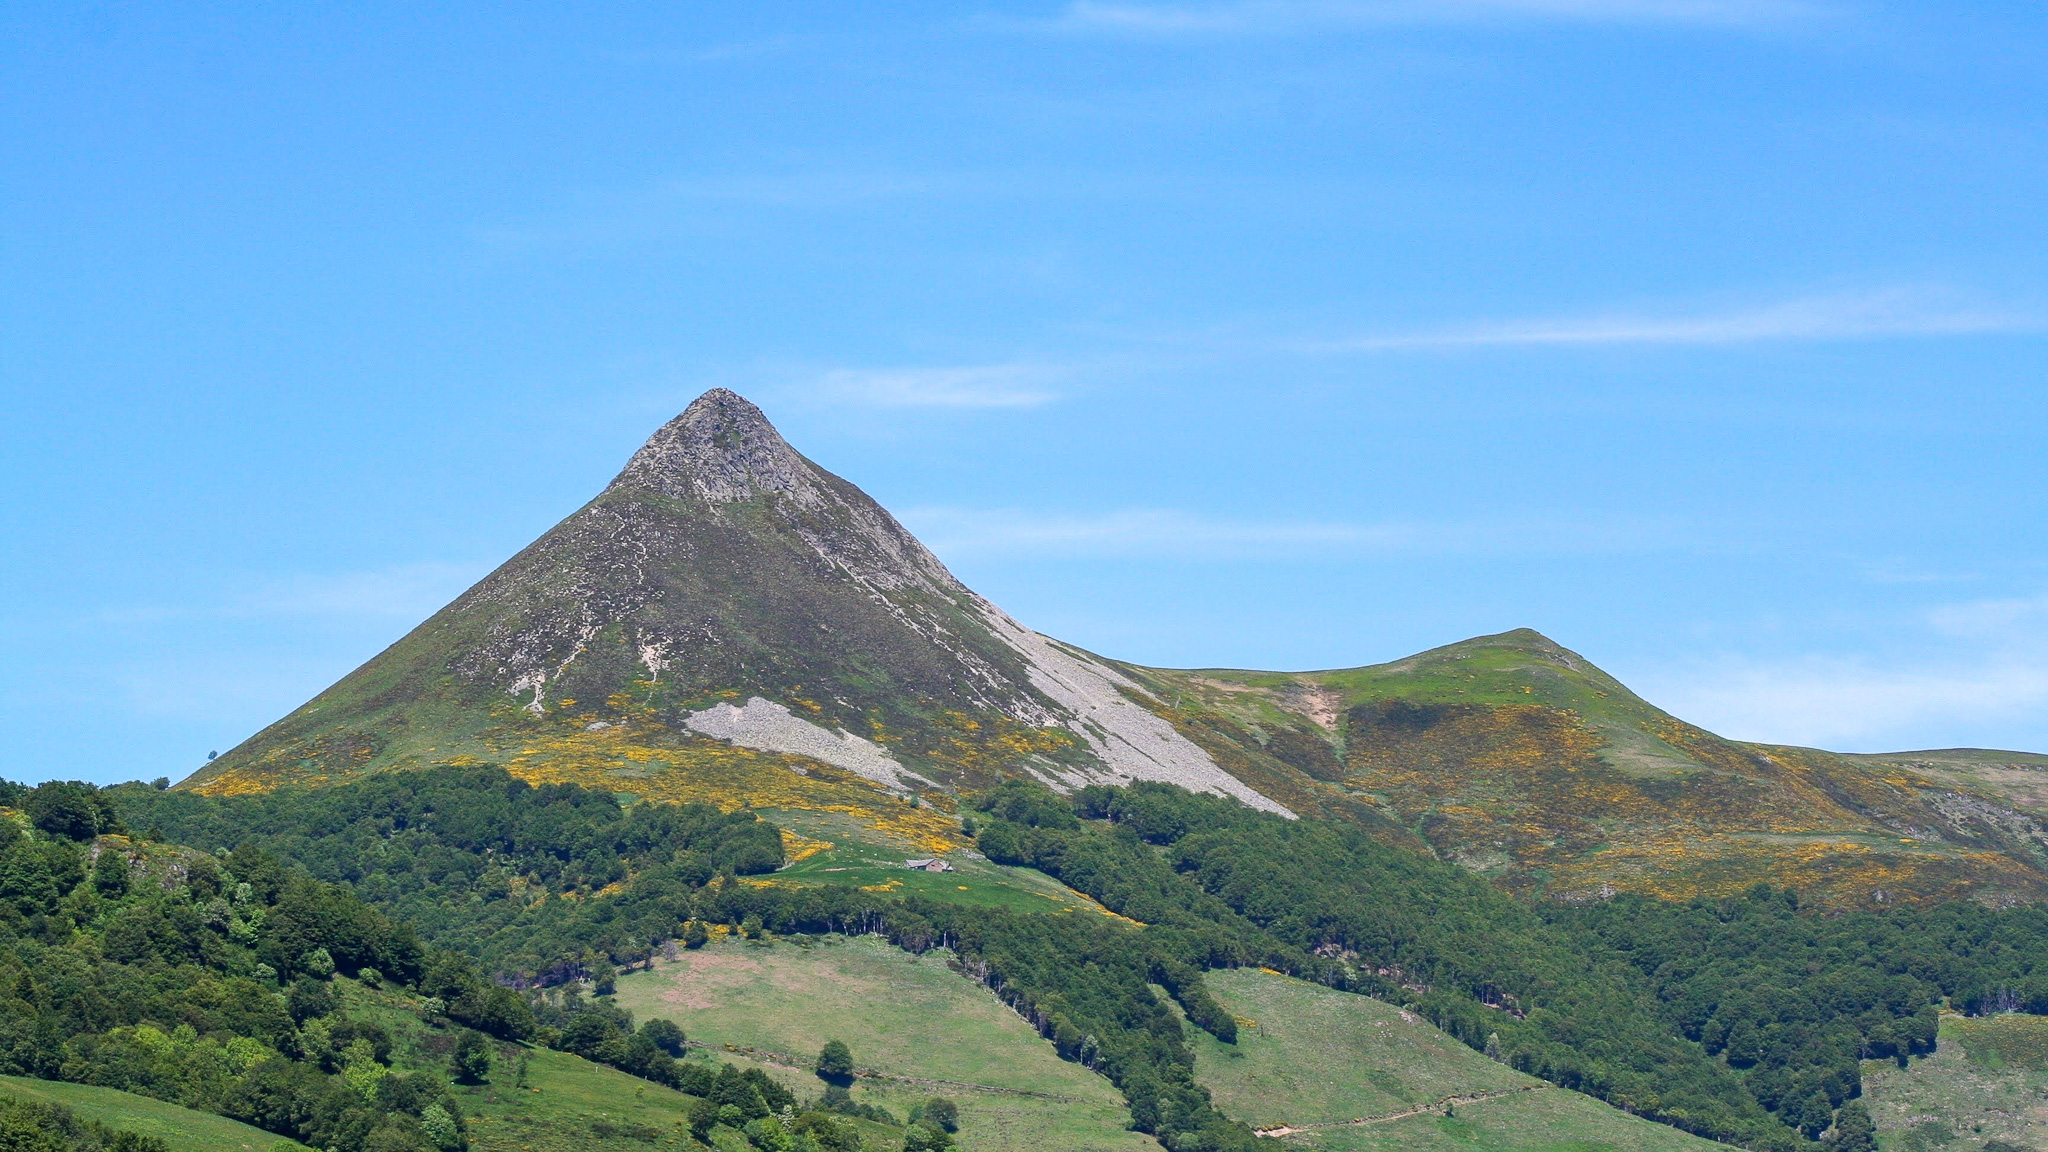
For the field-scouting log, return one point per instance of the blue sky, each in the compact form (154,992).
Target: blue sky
(1707,336)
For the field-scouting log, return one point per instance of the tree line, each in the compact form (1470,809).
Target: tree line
(1741,1020)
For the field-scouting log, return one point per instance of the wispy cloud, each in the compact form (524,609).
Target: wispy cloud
(402,592)
(1289,17)
(1177,534)
(1890,313)
(2010,621)
(1855,703)
(980,386)
(1967,665)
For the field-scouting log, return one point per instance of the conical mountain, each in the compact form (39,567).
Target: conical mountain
(728,622)
(724,587)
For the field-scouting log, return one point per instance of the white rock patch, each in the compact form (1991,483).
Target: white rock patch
(766,726)
(1131,743)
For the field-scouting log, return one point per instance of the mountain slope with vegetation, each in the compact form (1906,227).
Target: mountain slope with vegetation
(1520,759)
(731,696)
(728,613)
(728,624)
(1759,1045)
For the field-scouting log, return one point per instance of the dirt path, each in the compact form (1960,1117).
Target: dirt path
(791,1063)
(1418,1110)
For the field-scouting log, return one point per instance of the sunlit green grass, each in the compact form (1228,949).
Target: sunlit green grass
(182,1128)
(903,1015)
(1987,1079)
(1309,1055)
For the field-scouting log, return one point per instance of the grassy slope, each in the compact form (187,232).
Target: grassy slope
(1308,1055)
(1987,1080)
(1521,759)
(825,850)
(182,1128)
(902,1015)
(2021,778)
(562,1103)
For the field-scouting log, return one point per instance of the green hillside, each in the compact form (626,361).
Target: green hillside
(731,697)
(726,623)
(183,1129)
(1328,1070)
(916,1027)
(1988,1080)
(1520,759)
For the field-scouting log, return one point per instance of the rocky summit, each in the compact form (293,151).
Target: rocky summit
(728,622)
(723,586)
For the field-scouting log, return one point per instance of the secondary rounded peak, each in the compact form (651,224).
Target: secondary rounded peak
(721,448)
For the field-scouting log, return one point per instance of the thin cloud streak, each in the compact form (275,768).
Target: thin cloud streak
(2013,621)
(983,386)
(402,592)
(1852,703)
(1296,17)
(1981,663)
(1881,315)
(1162,533)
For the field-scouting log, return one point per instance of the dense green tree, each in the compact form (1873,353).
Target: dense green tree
(703,1117)
(471,1060)
(665,1035)
(110,874)
(1854,1131)
(71,810)
(835,1061)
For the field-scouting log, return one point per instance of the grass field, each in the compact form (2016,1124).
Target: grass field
(1987,1080)
(1307,1056)
(855,855)
(182,1128)
(906,1018)
(535,1100)
(568,1104)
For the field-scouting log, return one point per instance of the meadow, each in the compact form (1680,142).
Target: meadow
(182,1128)
(534,1099)
(1317,1061)
(1987,1080)
(917,1029)
(829,848)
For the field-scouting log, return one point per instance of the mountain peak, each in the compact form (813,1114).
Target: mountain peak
(721,449)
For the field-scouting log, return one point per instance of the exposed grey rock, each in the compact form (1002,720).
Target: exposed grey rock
(720,559)
(770,727)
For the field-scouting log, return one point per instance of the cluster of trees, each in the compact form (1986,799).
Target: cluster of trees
(200,979)
(1741,1020)
(1796,1000)
(471,856)
(27,1126)
(751,1101)
(1084,982)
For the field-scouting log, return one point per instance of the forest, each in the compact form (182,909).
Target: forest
(186,962)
